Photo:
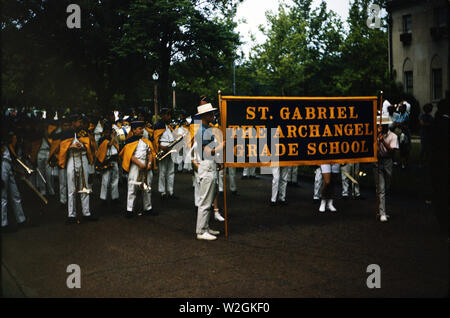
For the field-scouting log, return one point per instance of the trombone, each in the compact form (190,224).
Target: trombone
(27,169)
(84,188)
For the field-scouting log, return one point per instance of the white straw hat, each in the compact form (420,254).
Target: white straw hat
(206,108)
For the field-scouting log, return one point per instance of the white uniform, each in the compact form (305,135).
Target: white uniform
(231,179)
(348,187)
(279,183)
(110,177)
(293,174)
(249,172)
(318,182)
(45,169)
(133,175)
(77,163)
(9,188)
(166,166)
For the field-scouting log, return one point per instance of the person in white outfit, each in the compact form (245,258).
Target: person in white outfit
(279,185)
(166,166)
(207,146)
(137,158)
(107,156)
(330,174)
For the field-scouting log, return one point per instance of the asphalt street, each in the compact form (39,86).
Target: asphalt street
(282,251)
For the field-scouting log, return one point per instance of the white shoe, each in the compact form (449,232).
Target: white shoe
(218,217)
(213,232)
(330,206)
(322,205)
(383,218)
(206,236)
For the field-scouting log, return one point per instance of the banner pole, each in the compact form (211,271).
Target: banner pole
(222,124)
(378,161)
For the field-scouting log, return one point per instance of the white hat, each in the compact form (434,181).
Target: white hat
(206,108)
(385,120)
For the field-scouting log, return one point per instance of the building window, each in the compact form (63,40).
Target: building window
(407,23)
(408,82)
(436,83)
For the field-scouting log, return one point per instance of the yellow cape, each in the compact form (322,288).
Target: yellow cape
(128,150)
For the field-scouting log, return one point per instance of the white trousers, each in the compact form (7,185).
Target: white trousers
(348,187)
(318,182)
(166,175)
(9,189)
(386,165)
(249,171)
(195,181)
(292,174)
(46,171)
(207,175)
(279,183)
(133,175)
(75,183)
(62,177)
(231,179)
(110,179)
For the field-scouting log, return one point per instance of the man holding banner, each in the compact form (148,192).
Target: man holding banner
(387,144)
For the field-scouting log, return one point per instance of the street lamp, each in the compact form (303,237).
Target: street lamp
(173,93)
(155,78)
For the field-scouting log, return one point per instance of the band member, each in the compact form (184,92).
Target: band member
(75,154)
(249,173)
(330,174)
(279,184)
(8,183)
(207,147)
(163,137)
(292,178)
(137,155)
(387,144)
(349,188)
(54,155)
(42,161)
(318,182)
(107,156)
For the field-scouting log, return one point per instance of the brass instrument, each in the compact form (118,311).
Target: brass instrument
(84,188)
(105,165)
(164,153)
(143,178)
(28,170)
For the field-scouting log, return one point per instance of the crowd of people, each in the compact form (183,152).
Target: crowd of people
(130,149)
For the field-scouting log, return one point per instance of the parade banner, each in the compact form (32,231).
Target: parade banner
(287,131)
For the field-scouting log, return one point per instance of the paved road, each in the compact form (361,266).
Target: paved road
(288,251)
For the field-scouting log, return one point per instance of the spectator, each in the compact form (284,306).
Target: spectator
(402,131)
(426,126)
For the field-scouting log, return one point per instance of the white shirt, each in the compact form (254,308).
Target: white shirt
(392,140)
(141,151)
(386,104)
(166,137)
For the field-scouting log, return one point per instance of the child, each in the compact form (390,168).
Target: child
(137,155)
(107,156)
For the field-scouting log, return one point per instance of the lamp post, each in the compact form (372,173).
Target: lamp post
(173,93)
(155,78)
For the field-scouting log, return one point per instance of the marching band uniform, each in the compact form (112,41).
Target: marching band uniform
(140,148)
(347,185)
(292,176)
(231,179)
(279,184)
(108,151)
(44,167)
(318,182)
(76,162)
(249,172)
(9,188)
(163,137)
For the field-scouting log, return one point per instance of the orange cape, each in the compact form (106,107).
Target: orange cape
(128,150)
